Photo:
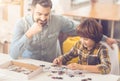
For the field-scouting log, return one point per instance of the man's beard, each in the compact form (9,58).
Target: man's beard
(43,23)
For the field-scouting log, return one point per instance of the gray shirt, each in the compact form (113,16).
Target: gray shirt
(44,45)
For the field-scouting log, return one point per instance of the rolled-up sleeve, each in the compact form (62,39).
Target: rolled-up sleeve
(105,66)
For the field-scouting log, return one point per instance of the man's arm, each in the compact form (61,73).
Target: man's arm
(19,40)
(108,40)
(34,29)
(22,34)
(69,26)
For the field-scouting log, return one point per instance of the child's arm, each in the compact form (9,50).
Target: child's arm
(103,68)
(89,68)
(72,54)
(67,57)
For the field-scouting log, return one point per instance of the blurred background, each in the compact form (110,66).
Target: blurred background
(12,10)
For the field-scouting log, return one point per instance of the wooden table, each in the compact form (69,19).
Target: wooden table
(45,76)
(110,12)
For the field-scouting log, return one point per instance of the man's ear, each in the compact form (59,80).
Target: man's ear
(32,9)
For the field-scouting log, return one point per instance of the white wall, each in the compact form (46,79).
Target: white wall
(118,2)
(27,6)
(61,6)
(13,13)
(107,1)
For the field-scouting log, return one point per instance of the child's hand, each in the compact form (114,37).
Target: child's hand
(57,61)
(74,66)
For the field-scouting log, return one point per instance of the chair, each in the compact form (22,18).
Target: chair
(114,58)
(68,44)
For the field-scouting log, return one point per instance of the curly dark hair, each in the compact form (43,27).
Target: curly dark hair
(90,28)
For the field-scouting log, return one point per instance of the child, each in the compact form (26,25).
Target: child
(93,56)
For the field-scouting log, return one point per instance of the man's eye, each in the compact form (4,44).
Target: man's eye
(46,14)
(39,14)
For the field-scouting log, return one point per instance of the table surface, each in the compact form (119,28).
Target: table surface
(98,11)
(45,76)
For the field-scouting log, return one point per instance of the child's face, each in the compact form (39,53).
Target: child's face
(88,43)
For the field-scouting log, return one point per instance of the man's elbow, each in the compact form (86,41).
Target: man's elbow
(13,55)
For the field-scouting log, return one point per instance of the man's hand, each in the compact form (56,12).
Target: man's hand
(36,27)
(110,41)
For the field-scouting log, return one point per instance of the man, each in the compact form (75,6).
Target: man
(36,35)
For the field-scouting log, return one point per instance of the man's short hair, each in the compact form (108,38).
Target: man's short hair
(44,3)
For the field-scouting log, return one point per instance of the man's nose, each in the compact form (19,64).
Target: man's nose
(43,18)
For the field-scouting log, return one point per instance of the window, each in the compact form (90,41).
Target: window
(118,1)
(79,3)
